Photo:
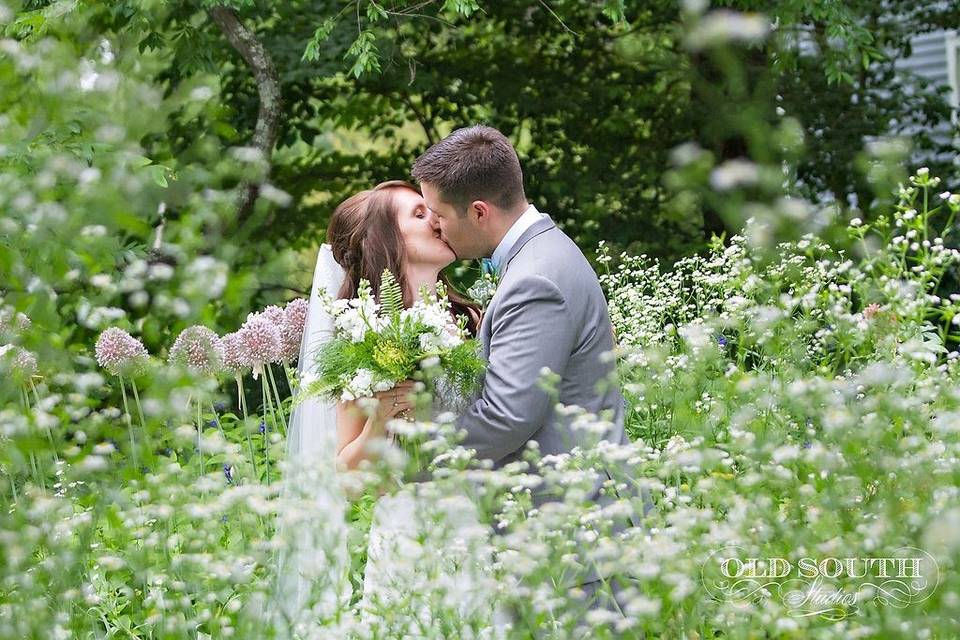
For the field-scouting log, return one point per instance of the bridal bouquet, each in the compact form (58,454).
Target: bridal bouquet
(375,346)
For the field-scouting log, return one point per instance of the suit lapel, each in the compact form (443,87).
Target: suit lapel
(538,227)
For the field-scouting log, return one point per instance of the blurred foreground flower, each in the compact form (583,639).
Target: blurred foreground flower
(724,26)
(22,363)
(13,320)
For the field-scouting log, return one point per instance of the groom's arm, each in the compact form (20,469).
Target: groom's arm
(531,329)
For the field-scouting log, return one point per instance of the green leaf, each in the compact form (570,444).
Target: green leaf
(615,10)
(464,8)
(375,12)
(312,50)
(364,49)
(391,295)
(158,173)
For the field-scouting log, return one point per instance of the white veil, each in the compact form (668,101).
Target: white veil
(313,581)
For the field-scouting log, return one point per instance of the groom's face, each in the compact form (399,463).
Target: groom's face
(462,233)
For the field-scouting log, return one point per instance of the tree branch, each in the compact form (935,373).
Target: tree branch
(258,59)
(424,123)
(273,286)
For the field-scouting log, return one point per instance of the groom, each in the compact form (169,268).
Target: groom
(548,310)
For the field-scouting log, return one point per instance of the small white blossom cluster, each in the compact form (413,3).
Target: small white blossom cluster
(364,384)
(22,363)
(356,317)
(442,332)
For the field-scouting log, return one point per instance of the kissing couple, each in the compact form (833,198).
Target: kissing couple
(547,312)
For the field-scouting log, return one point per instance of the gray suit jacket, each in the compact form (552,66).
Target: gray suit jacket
(548,311)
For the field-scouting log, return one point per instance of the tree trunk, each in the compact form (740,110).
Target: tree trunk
(268,89)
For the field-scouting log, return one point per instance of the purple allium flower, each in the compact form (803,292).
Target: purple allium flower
(273,313)
(261,341)
(120,353)
(234,358)
(263,427)
(291,331)
(722,341)
(198,348)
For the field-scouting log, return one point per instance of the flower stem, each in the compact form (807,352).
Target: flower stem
(143,422)
(289,376)
(36,471)
(37,478)
(278,407)
(242,401)
(216,420)
(126,416)
(36,396)
(265,405)
(199,438)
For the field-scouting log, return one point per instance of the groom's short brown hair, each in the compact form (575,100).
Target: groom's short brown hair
(473,163)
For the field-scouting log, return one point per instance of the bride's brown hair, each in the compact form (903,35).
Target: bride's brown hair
(365,238)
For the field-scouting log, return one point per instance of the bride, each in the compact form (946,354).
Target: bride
(407,586)
(387,227)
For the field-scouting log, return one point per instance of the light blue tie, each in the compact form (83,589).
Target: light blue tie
(487,267)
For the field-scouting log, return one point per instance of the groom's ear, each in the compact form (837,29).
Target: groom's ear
(479,210)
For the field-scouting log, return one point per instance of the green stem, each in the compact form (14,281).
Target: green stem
(278,407)
(242,401)
(126,415)
(199,438)
(53,447)
(216,420)
(265,404)
(37,478)
(36,471)
(288,376)
(143,422)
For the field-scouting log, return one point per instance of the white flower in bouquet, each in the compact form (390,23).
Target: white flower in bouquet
(442,340)
(354,318)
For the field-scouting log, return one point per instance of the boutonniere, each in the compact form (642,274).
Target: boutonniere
(486,285)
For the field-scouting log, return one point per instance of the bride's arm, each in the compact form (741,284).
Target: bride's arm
(355,428)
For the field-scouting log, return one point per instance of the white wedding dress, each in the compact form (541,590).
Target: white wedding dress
(428,555)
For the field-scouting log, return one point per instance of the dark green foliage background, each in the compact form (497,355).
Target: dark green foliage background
(594,94)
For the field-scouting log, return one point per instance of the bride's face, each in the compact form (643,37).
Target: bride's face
(422,241)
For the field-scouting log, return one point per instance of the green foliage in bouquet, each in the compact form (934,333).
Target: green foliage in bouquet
(375,345)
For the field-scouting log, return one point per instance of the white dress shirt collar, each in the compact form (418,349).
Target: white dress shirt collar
(524,222)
